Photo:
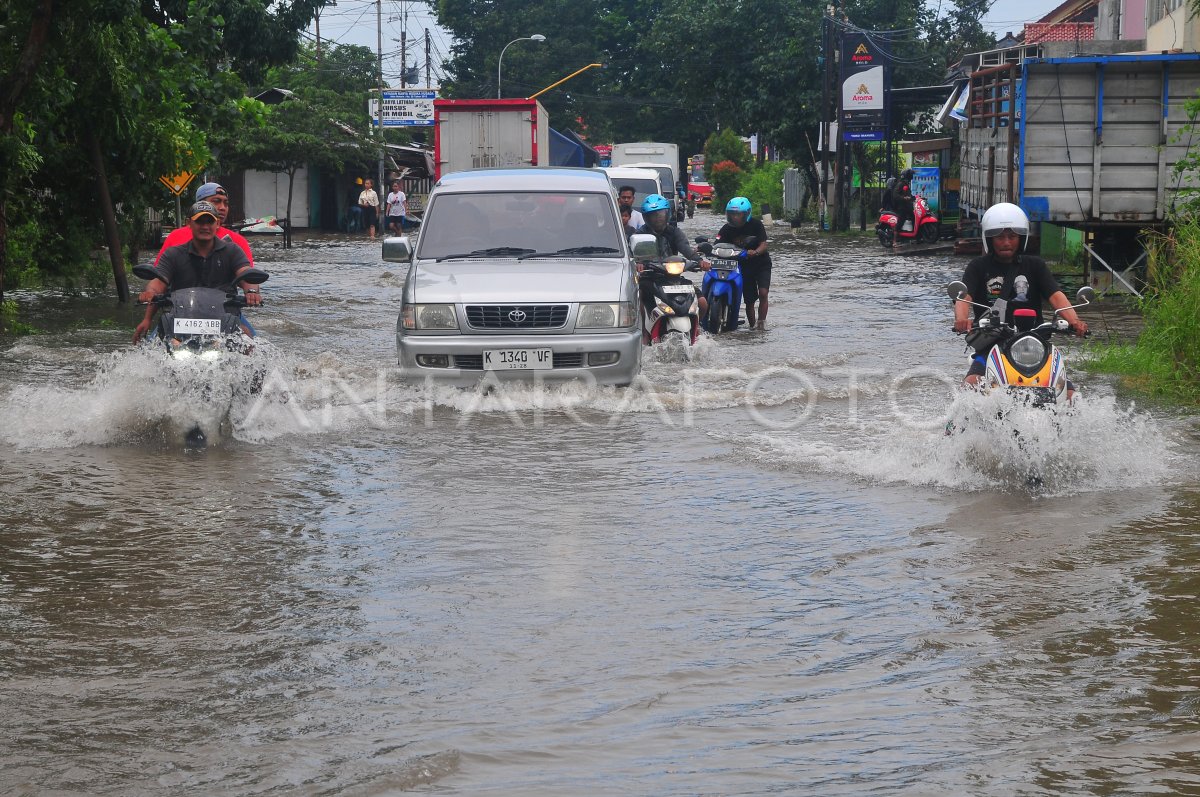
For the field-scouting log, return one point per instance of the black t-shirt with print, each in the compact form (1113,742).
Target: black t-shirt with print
(1025,282)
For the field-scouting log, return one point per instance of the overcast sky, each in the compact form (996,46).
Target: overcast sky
(354,22)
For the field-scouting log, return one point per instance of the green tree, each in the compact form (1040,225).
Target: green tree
(107,96)
(305,130)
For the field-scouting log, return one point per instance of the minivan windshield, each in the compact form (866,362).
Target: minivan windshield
(520,224)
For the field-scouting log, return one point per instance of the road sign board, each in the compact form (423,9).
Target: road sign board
(405,108)
(177,183)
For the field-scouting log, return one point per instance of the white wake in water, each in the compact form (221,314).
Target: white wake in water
(990,442)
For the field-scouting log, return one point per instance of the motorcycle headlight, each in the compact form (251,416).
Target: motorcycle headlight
(1027,351)
(674,267)
(429,316)
(597,315)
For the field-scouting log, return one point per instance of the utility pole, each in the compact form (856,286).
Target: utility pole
(826,30)
(317,17)
(379,107)
(404,54)
(428,60)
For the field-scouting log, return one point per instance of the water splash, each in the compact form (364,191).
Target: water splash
(995,442)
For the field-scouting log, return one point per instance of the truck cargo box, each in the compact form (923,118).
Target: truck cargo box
(1080,141)
(477,134)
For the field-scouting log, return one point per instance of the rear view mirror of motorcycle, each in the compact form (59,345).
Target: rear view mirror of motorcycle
(254,276)
(700,239)
(1086,295)
(751,242)
(956,290)
(704,247)
(145,271)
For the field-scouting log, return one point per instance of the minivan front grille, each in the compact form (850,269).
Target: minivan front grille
(517,316)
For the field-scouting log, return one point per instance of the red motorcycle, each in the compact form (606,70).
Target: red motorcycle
(925,227)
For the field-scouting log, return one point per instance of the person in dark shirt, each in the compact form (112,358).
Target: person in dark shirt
(1003,272)
(756,267)
(902,199)
(203,262)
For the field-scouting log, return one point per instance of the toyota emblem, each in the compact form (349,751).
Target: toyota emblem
(517,316)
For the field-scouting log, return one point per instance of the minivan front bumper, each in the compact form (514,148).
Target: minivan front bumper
(464,355)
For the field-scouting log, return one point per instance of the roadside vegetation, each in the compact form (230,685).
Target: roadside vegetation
(1165,358)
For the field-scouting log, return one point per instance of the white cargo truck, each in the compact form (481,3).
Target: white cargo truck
(477,134)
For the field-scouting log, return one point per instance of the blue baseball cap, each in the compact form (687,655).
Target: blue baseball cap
(210,189)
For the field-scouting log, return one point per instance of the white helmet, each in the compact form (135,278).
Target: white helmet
(1001,217)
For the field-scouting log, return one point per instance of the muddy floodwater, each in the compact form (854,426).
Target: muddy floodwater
(763,568)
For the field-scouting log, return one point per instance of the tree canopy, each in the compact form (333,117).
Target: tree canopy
(677,71)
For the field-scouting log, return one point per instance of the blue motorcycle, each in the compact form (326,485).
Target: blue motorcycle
(722,286)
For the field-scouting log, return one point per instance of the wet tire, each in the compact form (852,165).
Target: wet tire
(716,316)
(887,237)
(928,234)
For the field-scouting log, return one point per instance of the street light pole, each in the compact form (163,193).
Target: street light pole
(564,80)
(537,37)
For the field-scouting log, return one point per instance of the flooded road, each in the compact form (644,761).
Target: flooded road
(762,570)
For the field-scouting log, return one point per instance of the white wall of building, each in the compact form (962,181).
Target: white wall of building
(266,194)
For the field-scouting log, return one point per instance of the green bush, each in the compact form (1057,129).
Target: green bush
(726,145)
(764,186)
(1166,357)
(726,177)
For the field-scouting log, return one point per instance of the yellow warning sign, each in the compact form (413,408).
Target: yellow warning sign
(177,183)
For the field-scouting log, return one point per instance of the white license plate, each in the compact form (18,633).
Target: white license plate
(197,326)
(678,289)
(518,359)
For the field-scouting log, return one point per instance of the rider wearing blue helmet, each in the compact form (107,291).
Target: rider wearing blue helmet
(756,267)
(656,211)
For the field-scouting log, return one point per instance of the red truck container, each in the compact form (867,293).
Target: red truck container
(476,134)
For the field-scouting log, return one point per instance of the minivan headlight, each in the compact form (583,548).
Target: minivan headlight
(598,316)
(429,316)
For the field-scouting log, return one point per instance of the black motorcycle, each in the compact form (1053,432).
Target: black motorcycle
(202,326)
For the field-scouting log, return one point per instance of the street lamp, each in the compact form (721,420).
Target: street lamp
(564,80)
(537,37)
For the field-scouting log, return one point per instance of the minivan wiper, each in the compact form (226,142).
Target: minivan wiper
(573,250)
(494,251)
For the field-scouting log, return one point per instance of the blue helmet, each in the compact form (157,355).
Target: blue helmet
(740,204)
(655,202)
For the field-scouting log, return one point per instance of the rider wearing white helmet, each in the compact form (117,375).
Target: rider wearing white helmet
(1003,272)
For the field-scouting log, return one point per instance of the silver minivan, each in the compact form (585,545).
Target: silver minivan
(521,273)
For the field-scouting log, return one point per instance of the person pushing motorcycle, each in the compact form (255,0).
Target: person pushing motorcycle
(756,268)
(1003,272)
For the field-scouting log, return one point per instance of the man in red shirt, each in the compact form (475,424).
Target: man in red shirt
(218,197)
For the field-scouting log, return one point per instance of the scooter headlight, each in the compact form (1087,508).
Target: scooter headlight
(674,267)
(1027,351)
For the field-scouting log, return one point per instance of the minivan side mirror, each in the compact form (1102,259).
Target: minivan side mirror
(643,246)
(397,249)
